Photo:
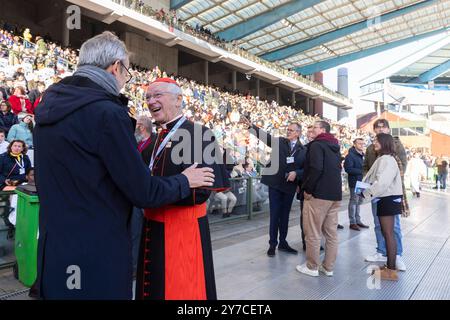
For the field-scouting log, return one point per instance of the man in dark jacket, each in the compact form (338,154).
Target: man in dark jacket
(353,165)
(322,185)
(89,174)
(281,178)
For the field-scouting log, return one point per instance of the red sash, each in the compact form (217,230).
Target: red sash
(184,269)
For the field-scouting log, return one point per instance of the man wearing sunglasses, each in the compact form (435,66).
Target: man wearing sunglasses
(89,174)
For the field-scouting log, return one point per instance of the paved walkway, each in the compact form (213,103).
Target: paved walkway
(243,270)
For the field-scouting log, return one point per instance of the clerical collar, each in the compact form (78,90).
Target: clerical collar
(171,123)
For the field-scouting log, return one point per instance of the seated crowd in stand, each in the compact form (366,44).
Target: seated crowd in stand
(27,69)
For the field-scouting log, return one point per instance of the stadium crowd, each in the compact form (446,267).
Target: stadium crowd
(29,65)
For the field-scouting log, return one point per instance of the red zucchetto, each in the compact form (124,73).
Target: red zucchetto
(167,80)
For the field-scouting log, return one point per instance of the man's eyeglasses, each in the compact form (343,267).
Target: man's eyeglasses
(291,130)
(129,75)
(157,95)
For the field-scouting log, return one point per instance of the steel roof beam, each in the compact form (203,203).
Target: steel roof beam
(177,4)
(265,19)
(298,47)
(433,73)
(333,62)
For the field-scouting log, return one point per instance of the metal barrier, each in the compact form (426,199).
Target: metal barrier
(249,194)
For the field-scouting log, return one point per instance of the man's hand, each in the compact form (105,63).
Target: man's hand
(307,196)
(291,176)
(199,177)
(8,182)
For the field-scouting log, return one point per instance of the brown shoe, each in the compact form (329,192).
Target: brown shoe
(355,227)
(386,274)
(362,225)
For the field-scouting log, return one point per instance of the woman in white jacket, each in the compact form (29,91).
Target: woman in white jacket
(386,191)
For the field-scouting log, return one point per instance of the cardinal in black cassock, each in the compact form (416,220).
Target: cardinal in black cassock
(175,259)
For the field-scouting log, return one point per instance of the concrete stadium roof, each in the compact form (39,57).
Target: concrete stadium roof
(314,35)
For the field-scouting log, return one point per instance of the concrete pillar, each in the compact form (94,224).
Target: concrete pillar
(233,79)
(342,88)
(293,99)
(307,109)
(206,72)
(65,30)
(318,103)
(257,87)
(277,94)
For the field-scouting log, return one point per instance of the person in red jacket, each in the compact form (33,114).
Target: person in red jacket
(19,101)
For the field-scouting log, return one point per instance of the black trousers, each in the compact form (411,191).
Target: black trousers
(280,206)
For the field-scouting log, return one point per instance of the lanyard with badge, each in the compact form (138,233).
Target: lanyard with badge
(290,159)
(21,165)
(164,142)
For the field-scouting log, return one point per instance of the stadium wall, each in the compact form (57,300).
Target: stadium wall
(149,53)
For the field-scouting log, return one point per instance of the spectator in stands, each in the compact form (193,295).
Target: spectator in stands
(386,192)
(323,194)
(41,46)
(35,95)
(7,118)
(3,143)
(19,101)
(2,78)
(259,196)
(416,171)
(353,165)
(13,164)
(382,126)
(6,89)
(23,130)
(285,161)
(227,200)
(98,164)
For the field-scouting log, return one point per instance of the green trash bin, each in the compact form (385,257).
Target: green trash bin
(27,222)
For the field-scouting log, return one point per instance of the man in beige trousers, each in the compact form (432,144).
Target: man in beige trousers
(322,189)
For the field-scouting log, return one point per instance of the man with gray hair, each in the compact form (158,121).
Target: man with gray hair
(175,259)
(89,175)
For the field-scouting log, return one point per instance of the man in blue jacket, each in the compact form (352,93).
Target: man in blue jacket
(89,174)
(353,165)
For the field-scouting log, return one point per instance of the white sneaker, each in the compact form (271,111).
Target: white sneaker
(400,264)
(325,272)
(376,257)
(304,269)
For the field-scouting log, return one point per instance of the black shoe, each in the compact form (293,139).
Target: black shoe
(321,248)
(340,226)
(304,246)
(418,194)
(287,249)
(271,252)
